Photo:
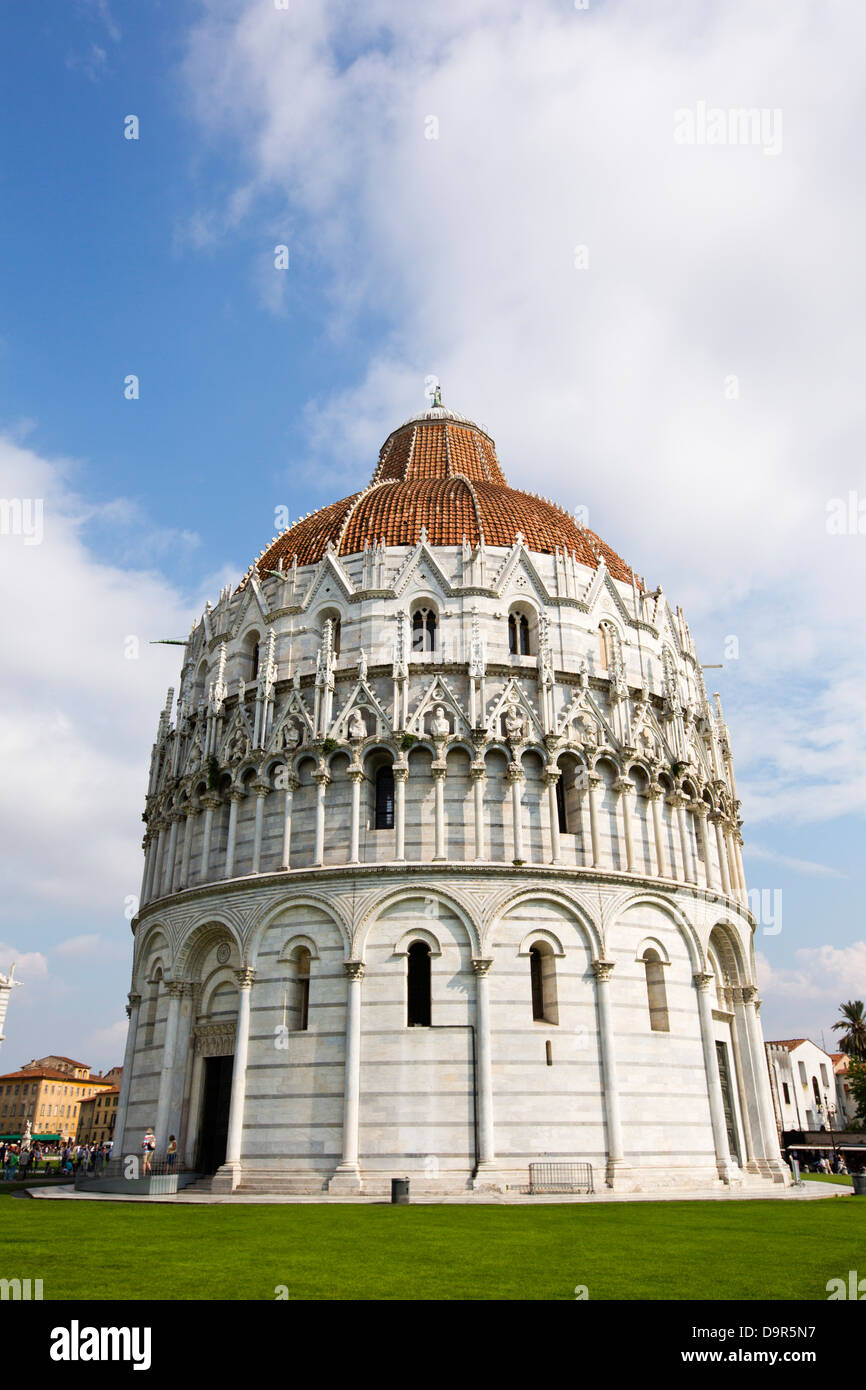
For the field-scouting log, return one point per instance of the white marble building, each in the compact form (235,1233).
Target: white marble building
(443,864)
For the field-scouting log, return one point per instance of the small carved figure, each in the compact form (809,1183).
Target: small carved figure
(357,725)
(290,736)
(647,742)
(440,728)
(239,745)
(515,723)
(587,730)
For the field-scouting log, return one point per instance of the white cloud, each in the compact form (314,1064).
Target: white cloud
(79,946)
(29,965)
(556,131)
(787,861)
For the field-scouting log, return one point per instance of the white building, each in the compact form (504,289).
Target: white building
(443,864)
(803,1079)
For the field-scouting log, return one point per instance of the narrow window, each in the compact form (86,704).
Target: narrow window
(385,798)
(656,995)
(424,630)
(561,811)
(512,634)
(548,1048)
(524,635)
(302,988)
(816,1091)
(419,985)
(536,983)
(786,1093)
(254,660)
(542,979)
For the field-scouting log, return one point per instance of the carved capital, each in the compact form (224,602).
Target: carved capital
(261,788)
(176,989)
(245,977)
(655,791)
(354,969)
(702,981)
(603,969)
(477,771)
(699,809)
(623,785)
(515,772)
(211,800)
(749,995)
(552,775)
(401,772)
(481,965)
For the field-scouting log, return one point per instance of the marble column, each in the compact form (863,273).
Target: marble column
(732,866)
(700,810)
(149,862)
(159,862)
(174,818)
(236,796)
(401,775)
(613,1124)
(321,778)
(716,819)
(625,788)
(175,991)
(356,777)
(437,770)
(290,789)
(484,1097)
(770,1159)
(229,1175)
(479,780)
(703,986)
(593,782)
(551,777)
(677,802)
(515,777)
(655,792)
(188,833)
(210,801)
(262,791)
(347,1176)
(132,1011)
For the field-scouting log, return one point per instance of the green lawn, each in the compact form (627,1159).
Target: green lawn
(665,1250)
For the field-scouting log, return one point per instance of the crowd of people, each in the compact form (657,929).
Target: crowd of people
(21,1161)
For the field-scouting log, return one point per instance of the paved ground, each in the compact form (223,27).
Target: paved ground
(809,1191)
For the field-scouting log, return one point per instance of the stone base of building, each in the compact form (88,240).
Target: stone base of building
(226,1178)
(347,1180)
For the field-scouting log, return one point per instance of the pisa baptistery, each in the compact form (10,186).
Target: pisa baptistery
(443,868)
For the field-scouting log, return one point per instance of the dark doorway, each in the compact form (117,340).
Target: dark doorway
(728,1099)
(419,985)
(214,1131)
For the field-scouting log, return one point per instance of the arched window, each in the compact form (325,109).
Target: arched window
(418,1015)
(656,994)
(302,989)
(331,615)
(424,625)
(385,798)
(561,810)
(519,641)
(542,979)
(250,668)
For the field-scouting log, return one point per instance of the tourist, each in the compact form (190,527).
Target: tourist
(148,1144)
(171,1151)
(11,1165)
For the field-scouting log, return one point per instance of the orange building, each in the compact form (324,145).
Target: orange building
(48,1092)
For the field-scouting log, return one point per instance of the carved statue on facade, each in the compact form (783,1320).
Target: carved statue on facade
(290,736)
(515,723)
(440,728)
(357,725)
(238,746)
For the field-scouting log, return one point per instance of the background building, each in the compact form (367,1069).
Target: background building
(443,864)
(97,1117)
(49,1093)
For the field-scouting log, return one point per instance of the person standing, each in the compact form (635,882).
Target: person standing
(171,1152)
(148,1144)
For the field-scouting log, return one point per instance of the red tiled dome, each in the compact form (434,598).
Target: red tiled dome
(439,471)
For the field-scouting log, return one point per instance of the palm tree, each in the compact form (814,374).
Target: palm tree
(853,1021)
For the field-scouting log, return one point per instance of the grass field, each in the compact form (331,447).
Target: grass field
(665,1250)
(840,1179)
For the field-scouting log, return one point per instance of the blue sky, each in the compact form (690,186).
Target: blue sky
(606,386)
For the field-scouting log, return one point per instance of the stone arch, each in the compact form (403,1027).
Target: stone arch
(624,903)
(430,939)
(152,933)
(724,940)
(513,897)
(537,934)
(407,893)
(292,944)
(653,943)
(199,940)
(272,914)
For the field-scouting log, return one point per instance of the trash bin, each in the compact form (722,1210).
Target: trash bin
(400,1192)
(859,1181)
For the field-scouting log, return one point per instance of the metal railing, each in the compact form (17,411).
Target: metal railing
(560,1177)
